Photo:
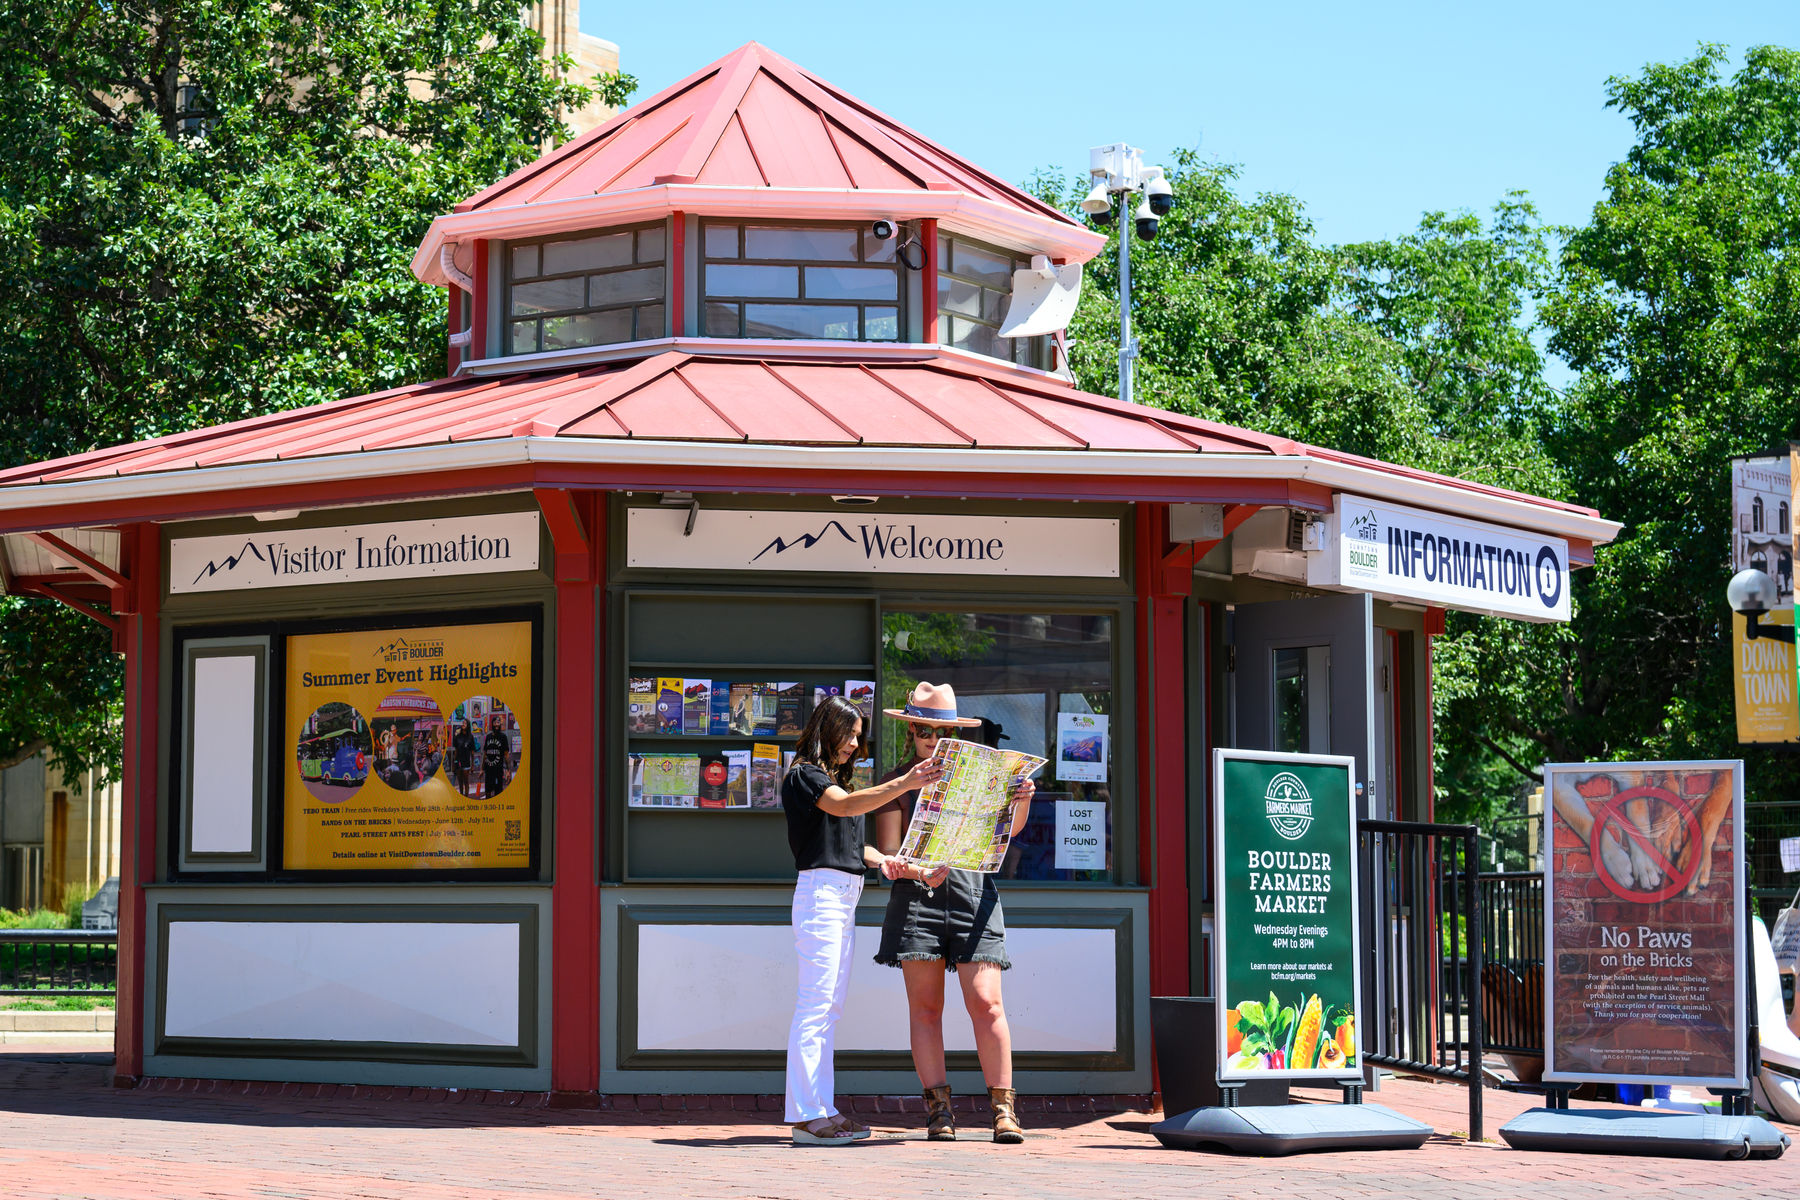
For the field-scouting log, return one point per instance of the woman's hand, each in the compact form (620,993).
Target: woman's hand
(892,867)
(924,774)
(1023,791)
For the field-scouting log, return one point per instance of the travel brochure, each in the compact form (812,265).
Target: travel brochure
(725,708)
(739,778)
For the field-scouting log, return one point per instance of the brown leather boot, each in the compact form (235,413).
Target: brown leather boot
(940,1126)
(1006,1121)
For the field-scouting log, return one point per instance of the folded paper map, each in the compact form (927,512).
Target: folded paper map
(964,819)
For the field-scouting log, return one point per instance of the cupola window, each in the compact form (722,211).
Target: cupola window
(974,286)
(588,291)
(835,282)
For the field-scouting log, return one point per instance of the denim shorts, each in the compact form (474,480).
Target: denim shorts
(959,921)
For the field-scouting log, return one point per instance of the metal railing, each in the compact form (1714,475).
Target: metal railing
(1422,961)
(1512,1010)
(59,962)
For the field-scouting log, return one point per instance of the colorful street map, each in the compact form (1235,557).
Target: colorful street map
(964,819)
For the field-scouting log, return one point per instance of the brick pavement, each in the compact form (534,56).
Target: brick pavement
(65,1133)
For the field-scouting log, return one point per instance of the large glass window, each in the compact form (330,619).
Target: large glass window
(974,285)
(1043,682)
(587,291)
(799,281)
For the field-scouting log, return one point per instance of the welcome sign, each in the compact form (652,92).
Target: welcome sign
(1409,554)
(891,543)
(474,545)
(1285,965)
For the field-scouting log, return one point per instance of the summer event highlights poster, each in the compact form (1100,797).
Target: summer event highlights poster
(409,749)
(1285,966)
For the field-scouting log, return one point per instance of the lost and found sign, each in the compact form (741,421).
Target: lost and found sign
(1285,961)
(1645,946)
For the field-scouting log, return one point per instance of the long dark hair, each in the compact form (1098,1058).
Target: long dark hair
(831,722)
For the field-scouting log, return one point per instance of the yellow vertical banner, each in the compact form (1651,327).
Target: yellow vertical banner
(409,749)
(1763,669)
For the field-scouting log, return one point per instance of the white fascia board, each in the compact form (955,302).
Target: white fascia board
(988,219)
(1149,468)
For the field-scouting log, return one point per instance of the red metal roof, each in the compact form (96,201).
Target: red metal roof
(751,119)
(942,400)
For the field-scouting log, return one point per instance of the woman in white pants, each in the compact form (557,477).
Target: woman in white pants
(825,832)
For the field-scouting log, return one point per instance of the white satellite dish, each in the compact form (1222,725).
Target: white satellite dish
(1043,298)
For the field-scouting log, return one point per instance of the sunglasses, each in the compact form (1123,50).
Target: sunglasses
(926,731)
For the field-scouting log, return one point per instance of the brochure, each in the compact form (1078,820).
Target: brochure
(861,693)
(822,692)
(671,774)
(634,781)
(697,706)
(763,703)
(741,700)
(713,777)
(737,778)
(964,819)
(790,709)
(668,705)
(862,774)
(641,705)
(719,721)
(765,776)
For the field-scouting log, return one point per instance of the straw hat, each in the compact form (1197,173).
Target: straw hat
(932,704)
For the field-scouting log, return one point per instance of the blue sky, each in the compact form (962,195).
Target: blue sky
(1371,114)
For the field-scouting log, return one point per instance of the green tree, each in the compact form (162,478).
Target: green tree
(1678,306)
(207,212)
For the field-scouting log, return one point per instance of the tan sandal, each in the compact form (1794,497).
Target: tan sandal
(857,1130)
(823,1131)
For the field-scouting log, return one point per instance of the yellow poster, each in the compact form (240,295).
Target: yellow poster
(409,749)
(1764,673)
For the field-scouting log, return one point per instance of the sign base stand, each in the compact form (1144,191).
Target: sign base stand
(1667,1135)
(1291,1129)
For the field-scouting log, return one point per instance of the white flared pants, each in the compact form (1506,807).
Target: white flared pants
(825,942)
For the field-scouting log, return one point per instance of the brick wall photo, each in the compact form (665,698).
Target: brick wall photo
(1644,911)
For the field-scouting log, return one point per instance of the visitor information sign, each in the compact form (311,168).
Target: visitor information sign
(1645,946)
(1285,929)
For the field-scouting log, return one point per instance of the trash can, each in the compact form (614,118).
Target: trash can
(1185,1034)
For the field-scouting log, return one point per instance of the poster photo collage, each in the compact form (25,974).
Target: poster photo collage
(409,748)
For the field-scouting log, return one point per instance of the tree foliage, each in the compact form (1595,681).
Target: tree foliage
(207,211)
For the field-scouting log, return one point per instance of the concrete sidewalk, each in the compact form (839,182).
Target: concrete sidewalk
(65,1133)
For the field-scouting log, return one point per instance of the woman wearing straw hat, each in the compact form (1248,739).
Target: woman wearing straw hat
(937,924)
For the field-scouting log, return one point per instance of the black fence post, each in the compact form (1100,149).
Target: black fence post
(1473,938)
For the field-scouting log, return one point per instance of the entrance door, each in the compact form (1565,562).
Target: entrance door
(1305,683)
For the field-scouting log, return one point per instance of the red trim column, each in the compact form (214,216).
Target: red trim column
(1164,580)
(678,277)
(929,276)
(142,637)
(575,803)
(478,304)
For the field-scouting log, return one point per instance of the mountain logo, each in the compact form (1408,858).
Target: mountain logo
(215,567)
(806,541)
(1364,527)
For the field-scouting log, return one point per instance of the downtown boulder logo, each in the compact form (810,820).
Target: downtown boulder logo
(1288,806)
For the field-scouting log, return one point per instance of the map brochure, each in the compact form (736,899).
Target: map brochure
(720,720)
(737,778)
(964,819)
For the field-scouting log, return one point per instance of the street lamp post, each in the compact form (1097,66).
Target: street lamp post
(1751,594)
(1118,170)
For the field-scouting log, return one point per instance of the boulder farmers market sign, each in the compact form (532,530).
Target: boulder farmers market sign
(1407,554)
(455,546)
(892,543)
(1285,963)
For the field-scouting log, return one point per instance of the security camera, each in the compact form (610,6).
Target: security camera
(1146,221)
(1160,195)
(884,230)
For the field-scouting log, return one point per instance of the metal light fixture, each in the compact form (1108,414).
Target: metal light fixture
(685,500)
(1751,594)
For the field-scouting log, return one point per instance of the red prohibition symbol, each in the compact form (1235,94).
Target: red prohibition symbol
(1612,812)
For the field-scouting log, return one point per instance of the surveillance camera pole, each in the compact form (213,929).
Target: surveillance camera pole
(1120,169)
